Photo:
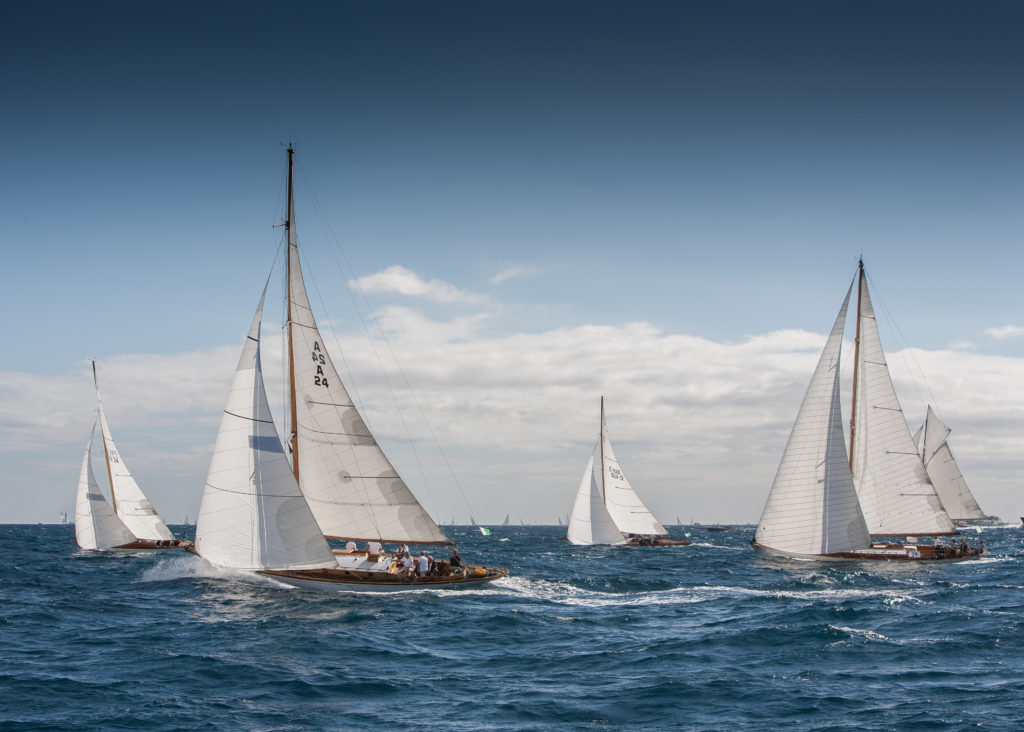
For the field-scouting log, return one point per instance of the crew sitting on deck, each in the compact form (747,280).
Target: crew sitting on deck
(373,547)
(406,561)
(350,546)
(455,561)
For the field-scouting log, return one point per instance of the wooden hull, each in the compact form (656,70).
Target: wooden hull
(884,552)
(154,544)
(343,580)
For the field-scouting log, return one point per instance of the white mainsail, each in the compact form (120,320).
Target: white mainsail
(628,512)
(945,474)
(130,504)
(253,515)
(812,507)
(351,486)
(96,526)
(896,496)
(590,522)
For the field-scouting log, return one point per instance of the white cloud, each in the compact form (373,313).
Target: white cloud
(1005,332)
(511,273)
(699,425)
(399,280)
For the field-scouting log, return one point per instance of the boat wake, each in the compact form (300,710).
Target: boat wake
(191,567)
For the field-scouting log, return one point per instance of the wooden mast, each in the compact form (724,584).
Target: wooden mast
(604,499)
(103,439)
(292,242)
(856,358)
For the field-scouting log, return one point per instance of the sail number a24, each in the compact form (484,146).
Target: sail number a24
(318,358)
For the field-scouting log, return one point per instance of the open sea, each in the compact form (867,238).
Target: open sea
(701,637)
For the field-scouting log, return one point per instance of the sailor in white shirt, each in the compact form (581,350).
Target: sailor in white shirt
(350,546)
(424,563)
(373,547)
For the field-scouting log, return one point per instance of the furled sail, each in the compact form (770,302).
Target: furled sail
(130,503)
(590,522)
(896,496)
(624,505)
(253,515)
(812,507)
(945,474)
(351,486)
(96,526)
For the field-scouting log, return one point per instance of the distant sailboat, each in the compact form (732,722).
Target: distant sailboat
(945,475)
(506,521)
(344,480)
(826,504)
(608,510)
(129,504)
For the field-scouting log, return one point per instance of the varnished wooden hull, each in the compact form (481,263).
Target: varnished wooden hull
(344,580)
(887,553)
(153,544)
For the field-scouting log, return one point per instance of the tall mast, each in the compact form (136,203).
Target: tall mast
(103,439)
(603,497)
(856,357)
(292,242)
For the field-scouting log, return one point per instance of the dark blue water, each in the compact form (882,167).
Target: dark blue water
(699,637)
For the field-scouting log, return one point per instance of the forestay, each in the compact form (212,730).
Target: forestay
(896,496)
(351,486)
(590,522)
(253,515)
(812,507)
(945,474)
(96,526)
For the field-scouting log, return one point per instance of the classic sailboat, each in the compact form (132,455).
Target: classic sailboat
(338,473)
(96,525)
(608,510)
(945,475)
(827,504)
(130,506)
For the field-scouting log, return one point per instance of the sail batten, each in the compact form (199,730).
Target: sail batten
(896,495)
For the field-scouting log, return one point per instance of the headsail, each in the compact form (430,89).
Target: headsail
(812,507)
(945,474)
(130,503)
(590,522)
(628,512)
(351,486)
(253,515)
(96,526)
(896,496)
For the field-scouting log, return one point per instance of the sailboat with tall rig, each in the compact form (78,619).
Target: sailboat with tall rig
(339,483)
(827,503)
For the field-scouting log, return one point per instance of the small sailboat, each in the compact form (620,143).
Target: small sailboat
(827,504)
(96,525)
(130,506)
(339,484)
(608,510)
(945,475)
(506,521)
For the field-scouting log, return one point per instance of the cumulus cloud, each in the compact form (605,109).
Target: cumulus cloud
(699,425)
(1005,332)
(401,281)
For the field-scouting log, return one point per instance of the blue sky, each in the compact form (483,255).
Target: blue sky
(709,171)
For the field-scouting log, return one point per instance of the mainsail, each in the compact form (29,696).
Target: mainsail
(130,504)
(351,486)
(945,474)
(624,505)
(896,496)
(96,526)
(590,522)
(253,515)
(812,508)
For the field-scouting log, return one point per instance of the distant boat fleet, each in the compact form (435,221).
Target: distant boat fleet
(272,506)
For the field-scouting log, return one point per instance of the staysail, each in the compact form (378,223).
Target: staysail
(945,474)
(130,503)
(352,488)
(96,526)
(812,507)
(628,512)
(896,496)
(253,515)
(590,522)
